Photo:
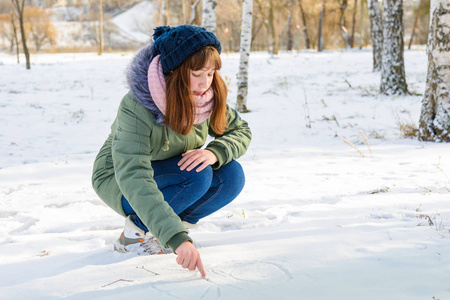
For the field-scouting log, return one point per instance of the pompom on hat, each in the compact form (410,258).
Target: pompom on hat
(176,44)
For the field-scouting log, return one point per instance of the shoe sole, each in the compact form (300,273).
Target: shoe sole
(119,247)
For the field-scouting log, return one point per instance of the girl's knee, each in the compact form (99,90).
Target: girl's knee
(204,176)
(234,170)
(199,181)
(232,176)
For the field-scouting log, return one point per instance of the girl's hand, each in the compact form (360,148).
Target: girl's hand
(193,158)
(189,258)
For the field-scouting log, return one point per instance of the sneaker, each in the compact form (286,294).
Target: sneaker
(134,239)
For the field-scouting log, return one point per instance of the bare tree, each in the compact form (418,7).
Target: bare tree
(434,122)
(272,28)
(290,39)
(209,15)
(16,39)
(184,12)
(376,29)
(263,21)
(164,12)
(39,27)
(100,22)
(352,38)
(19,5)
(194,14)
(415,24)
(246,38)
(268,16)
(305,27)
(343,29)
(7,31)
(393,79)
(320,42)
(361,25)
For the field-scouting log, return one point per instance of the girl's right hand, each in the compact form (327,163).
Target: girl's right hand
(189,258)
(197,157)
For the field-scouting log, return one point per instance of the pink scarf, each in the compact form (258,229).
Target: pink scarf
(157,86)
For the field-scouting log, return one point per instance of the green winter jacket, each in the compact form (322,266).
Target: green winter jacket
(124,164)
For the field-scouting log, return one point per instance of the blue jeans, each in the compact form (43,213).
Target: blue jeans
(194,195)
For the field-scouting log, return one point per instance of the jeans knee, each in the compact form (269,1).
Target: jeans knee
(201,181)
(239,178)
(204,176)
(232,176)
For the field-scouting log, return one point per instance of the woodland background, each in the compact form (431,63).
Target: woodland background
(277,24)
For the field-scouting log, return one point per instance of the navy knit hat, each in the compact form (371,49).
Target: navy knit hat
(176,44)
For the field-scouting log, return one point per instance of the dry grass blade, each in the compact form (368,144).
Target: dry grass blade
(354,147)
(366,141)
(116,282)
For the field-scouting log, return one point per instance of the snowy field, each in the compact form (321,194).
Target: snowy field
(337,205)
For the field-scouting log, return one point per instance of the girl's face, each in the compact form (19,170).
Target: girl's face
(201,79)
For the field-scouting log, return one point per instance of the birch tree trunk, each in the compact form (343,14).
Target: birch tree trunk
(246,38)
(376,29)
(434,124)
(209,15)
(393,81)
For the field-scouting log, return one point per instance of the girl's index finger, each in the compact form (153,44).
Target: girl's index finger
(200,267)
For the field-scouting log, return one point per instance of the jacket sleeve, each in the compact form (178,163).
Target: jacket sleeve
(233,143)
(134,174)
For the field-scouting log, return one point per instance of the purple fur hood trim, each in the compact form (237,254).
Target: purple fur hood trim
(138,84)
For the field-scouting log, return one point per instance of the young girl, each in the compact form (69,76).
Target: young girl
(152,169)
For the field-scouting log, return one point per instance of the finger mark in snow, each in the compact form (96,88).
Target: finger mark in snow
(256,274)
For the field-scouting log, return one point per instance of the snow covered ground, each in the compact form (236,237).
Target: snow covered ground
(318,218)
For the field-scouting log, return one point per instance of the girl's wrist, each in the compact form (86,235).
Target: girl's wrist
(178,239)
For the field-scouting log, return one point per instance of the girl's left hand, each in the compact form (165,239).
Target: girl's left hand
(192,158)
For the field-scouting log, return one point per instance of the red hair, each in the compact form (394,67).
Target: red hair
(180,105)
